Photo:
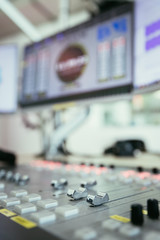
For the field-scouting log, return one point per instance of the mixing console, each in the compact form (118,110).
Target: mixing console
(50,201)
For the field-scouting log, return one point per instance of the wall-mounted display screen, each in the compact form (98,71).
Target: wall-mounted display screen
(91,60)
(8,78)
(147,44)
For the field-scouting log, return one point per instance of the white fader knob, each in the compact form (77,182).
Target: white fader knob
(89,184)
(59,184)
(77,194)
(98,199)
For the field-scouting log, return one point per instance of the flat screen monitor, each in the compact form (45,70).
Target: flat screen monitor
(88,61)
(8,78)
(147,45)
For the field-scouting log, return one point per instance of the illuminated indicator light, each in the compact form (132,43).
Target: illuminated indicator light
(68,167)
(35,163)
(77,168)
(58,164)
(87,169)
(145,212)
(120,218)
(98,172)
(32,164)
(157,177)
(51,167)
(82,167)
(92,168)
(125,175)
(104,169)
(144,175)
(128,173)
(44,164)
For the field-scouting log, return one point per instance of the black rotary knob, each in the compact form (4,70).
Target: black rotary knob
(155,170)
(140,169)
(137,214)
(153,208)
(112,166)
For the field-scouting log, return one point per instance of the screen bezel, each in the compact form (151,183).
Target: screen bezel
(107,92)
(146,88)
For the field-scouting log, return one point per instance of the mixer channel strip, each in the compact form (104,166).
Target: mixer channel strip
(88,202)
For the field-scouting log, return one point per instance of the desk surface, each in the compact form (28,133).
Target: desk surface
(146,160)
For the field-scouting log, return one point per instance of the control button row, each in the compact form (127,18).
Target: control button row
(152,235)
(129,231)
(43,217)
(47,203)
(10,202)
(19,193)
(25,208)
(86,233)
(67,211)
(2,186)
(25,197)
(14,177)
(125,229)
(33,197)
(3,195)
(111,224)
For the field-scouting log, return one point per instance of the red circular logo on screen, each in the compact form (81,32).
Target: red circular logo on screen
(71,63)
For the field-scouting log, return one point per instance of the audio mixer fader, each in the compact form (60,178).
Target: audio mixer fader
(51,201)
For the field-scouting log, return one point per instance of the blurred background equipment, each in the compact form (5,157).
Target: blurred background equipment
(126,148)
(8,78)
(66,67)
(7,158)
(88,85)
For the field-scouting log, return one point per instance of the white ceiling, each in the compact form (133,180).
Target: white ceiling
(39,12)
